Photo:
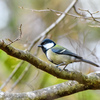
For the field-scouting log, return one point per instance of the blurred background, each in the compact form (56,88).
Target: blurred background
(78,32)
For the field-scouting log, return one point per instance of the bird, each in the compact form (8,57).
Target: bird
(60,55)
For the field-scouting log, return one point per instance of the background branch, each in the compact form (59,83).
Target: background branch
(48,93)
(52,92)
(11,75)
(52,26)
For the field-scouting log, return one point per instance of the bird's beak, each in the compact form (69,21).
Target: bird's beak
(39,45)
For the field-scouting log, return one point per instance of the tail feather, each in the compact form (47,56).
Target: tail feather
(90,62)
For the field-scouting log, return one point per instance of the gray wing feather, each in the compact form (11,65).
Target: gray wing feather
(64,51)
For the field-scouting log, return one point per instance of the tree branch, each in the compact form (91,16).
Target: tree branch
(48,93)
(68,75)
(52,92)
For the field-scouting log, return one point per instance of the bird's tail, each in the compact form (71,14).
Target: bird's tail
(90,62)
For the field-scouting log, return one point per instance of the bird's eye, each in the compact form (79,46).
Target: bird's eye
(43,43)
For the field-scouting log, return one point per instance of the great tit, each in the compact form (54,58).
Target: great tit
(60,55)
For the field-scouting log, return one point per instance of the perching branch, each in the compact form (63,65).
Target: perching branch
(68,75)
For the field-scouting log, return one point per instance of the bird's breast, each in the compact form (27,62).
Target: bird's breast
(59,58)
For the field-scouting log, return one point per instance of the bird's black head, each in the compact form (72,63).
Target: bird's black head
(46,45)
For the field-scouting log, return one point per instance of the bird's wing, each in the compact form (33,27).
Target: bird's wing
(63,51)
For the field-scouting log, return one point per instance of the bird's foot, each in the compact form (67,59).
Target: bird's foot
(58,68)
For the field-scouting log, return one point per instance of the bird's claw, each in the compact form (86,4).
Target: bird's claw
(58,68)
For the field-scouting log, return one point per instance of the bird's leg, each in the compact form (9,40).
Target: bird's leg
(59,65)
(65,67)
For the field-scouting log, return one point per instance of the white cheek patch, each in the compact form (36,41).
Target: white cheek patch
(48,45)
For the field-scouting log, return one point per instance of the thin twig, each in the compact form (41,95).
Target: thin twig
(98,26)
(44,10)
(89,18)
(20,29)
(20,77)
(77,11)
(11,75)
(91,14)
(31,86)
(58,13)
(91,52)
